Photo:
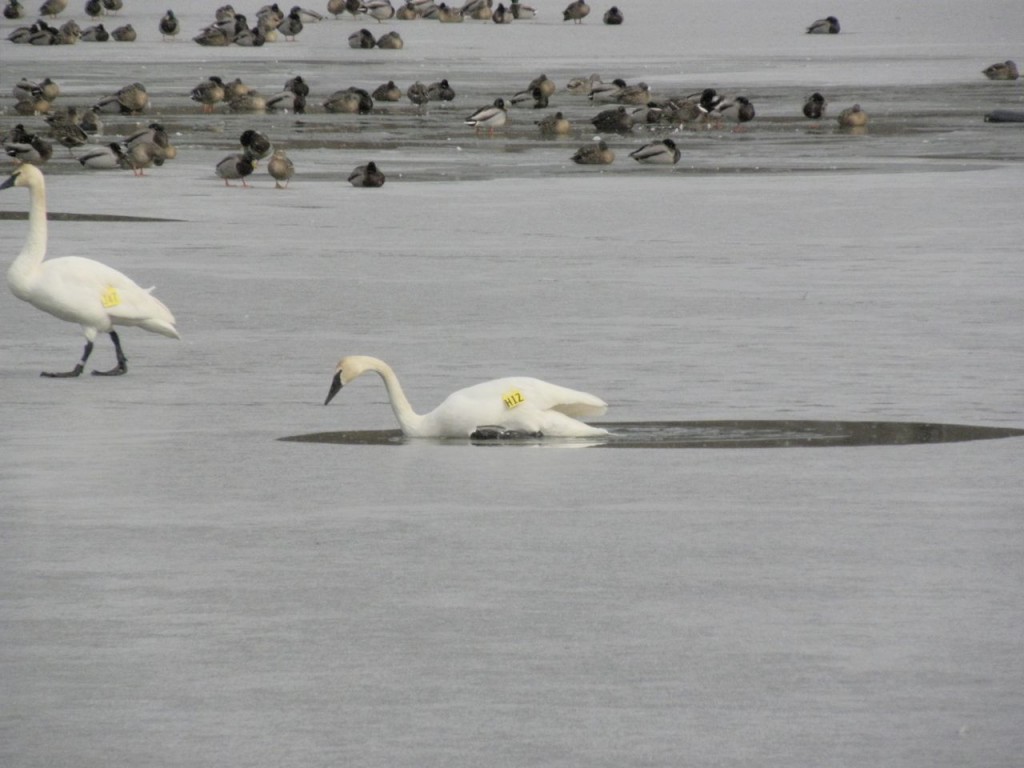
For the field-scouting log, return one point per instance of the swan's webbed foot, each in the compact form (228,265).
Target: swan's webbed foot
(118,370)
(76,371)
(122,362)
(490,432)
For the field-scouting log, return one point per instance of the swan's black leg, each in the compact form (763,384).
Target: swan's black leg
(77,370)
(122,361)
(497,432)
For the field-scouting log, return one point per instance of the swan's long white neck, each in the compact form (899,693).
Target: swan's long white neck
(32,253)
(412,422)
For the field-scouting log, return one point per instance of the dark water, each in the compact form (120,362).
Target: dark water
(719,434)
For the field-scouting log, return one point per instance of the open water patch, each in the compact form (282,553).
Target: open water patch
(712,434)
(103,217)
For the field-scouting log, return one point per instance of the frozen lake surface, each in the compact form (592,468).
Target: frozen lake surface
(181,587)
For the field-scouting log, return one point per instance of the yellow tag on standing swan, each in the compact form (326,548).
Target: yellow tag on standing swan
(109,297)
(513,398)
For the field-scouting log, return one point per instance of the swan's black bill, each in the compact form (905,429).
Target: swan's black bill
(335,387)
(9,181)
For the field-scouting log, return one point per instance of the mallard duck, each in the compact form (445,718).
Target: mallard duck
(21,35)
(52,8)
(93,8)
(310,17)
(534,97)
(362,39)
(448,15)
(343,101)
(738,110)
(853,117)
(606,93)
(27,91)
(95,34)
(635,95)
(522,12)
(140,156)
(291,25)
(501,15)
(44,34)
(368,175)
(576,12)
(613,16)
(91,122)
(664,152)
(69,132)
(208,93)
(169,25)
(407,12)
(251,38)
(617,120)
(250,101)
(381,10)
(154,134)
(350,101)
(544,83)
(417,93)
(1006,70)
(272,15)
(554,125)
(391,41)
(287,101)
(583,86)
(696,106)
(113,6)
(103,158)
(387,92)
(124,34)
(13,10)
(235,88)
(235,167)
(34,106)
(490,117)
(281,168)
(827,26)
(479,10)
(355,7)
(214,37)
(440,91)
(129,100)
(815,106)
(25,147)
(255,143)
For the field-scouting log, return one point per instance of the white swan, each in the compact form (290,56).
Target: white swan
(511,407)
(76,289)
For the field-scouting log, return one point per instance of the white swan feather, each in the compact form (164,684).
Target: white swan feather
(76,289)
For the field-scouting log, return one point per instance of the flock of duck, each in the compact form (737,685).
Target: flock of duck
(627,106)
(273,23)
(99,298)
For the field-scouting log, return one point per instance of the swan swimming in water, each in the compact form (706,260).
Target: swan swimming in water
(516,406)
(76,289)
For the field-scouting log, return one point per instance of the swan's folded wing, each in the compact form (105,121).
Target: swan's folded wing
(572,402)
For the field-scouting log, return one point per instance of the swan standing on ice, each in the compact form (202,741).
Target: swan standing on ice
(76,289)
(517,406)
